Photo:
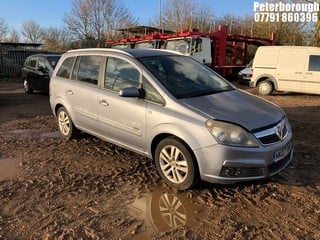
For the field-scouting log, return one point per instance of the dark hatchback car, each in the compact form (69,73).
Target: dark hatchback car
(37,70)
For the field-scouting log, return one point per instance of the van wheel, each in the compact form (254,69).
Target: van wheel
(65,124)
(265,87)
(27,87)
(176,164)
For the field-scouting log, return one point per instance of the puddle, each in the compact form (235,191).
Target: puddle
(27,133)
(23,133)
(55,134)
(164,211)
(8,168)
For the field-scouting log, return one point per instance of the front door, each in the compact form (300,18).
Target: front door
(122,120)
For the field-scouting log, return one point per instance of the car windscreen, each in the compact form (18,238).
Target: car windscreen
(184,77)
(53,60)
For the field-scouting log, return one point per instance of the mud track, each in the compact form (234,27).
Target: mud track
(88,189)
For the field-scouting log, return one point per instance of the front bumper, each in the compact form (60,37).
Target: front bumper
(226,165)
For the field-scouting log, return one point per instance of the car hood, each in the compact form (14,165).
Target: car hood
(237,107)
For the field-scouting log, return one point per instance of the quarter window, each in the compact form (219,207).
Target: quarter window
(65,68)
(151,94)
(120,74)
(314,63)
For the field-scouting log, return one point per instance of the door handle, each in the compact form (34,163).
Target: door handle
(104,102)
(309,73)
(298,72)
(69,91)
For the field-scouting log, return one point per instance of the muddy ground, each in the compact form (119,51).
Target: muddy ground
(88,189)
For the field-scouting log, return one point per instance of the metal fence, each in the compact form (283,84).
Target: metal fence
(13,55)
(11,62)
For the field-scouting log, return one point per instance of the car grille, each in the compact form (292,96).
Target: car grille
(273,134)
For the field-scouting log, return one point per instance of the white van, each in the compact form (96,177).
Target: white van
(286,68)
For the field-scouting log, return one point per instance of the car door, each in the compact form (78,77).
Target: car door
(32,74)
(311,81)
(290,70)
(81,91)
(42,75)
(122,120)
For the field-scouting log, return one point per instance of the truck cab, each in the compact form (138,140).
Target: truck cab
(197,47)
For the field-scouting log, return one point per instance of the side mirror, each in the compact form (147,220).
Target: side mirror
(132,92)
(43,69)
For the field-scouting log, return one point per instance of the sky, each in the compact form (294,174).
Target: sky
(49,13)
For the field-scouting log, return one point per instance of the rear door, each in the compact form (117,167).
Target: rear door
(42,75)
(79,89)
(311,82)
(32,74)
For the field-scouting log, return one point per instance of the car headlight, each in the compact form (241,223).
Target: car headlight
(230,134)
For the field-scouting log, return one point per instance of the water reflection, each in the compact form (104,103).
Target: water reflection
(163,210)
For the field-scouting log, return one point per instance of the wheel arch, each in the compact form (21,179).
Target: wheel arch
(56,108)
(268,77)
(190,180)
(158,138)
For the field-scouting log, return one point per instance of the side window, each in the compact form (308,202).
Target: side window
(33,62)
(27,62)
(197,44)
(42,64)
(89,69)
(65,68)
(151,94)
(314,63)
(120,74)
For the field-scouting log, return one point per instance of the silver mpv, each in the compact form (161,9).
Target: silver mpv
(169,107)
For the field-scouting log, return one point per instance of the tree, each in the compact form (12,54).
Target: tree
(56,39)
(97,19)
(13,36)
(316,37)
(186,14)
(3,29)
(32,31)
(78,20)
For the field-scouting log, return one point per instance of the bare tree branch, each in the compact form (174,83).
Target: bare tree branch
(32,31)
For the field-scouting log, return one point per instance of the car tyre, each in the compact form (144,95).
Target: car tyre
(265,87)
(27,87)
(176,163)
(65,124)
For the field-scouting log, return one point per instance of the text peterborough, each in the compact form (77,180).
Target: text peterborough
(285,7)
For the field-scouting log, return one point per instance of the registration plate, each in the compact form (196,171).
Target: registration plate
(279,155)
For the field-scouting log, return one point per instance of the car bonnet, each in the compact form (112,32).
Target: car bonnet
(237,107)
